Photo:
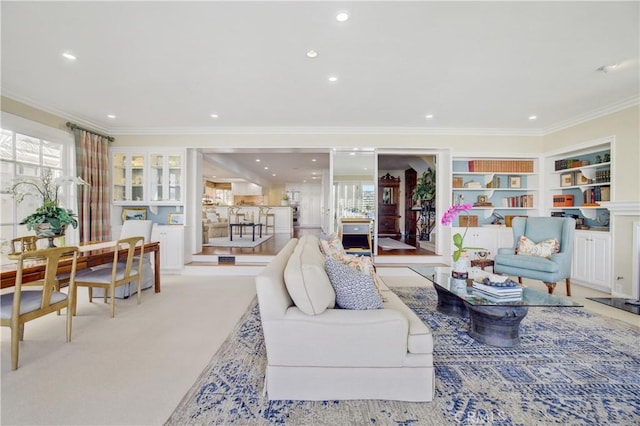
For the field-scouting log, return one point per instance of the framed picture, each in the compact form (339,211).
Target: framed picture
(134,213)
(515,182)
(176,219)
(566,179)
(581,179)
(482,199)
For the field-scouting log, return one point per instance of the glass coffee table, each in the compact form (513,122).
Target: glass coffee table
(493,322)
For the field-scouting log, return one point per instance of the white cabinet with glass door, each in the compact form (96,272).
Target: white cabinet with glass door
(166,179)
(128,177)
(142,177)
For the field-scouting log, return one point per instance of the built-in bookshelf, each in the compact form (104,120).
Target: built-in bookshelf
(578,182)
(496,187)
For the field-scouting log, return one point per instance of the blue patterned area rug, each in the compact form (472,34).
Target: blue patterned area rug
(571,368)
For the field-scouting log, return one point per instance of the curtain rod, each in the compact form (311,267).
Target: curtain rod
(75,126)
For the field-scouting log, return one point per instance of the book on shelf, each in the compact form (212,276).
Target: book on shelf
(523,201)
(501,166)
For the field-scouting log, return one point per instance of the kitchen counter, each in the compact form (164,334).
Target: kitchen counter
(283,215)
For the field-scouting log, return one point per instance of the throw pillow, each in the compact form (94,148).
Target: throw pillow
(542,249)
(212,217)
(354,289)
(365,265)
(333,247)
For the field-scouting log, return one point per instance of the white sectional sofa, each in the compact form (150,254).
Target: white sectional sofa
(316,351)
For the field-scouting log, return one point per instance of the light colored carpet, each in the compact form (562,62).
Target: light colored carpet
(244,241)
(571,367)
(391,244)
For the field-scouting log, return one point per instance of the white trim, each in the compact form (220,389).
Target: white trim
(622,208)
(635,265)
(31,128)
(592,115)
(597,113)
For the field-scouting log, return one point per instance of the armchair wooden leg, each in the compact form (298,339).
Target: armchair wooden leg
(551,287)
(519,280)
(568,283)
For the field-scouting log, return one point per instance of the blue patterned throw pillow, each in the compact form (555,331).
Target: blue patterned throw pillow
(354,289)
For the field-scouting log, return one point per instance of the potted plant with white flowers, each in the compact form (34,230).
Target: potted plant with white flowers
(49,220)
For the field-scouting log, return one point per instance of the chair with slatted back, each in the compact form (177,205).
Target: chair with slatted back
(21,305)
(134,228)
(23,245)
(118,274)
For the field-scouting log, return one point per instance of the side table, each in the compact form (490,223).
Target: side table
(482,263)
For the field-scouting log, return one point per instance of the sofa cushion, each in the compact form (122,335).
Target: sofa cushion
(306,280)
(535,263)
(542,249)
(354,289)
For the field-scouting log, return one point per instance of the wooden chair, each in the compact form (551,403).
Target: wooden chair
(20,306)
(119,274)
(23,244)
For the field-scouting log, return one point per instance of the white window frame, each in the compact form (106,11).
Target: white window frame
(43,132)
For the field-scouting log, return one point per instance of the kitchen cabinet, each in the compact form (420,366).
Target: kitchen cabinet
(171,238)
(592,259)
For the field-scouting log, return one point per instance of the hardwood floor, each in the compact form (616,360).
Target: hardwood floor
(273,245)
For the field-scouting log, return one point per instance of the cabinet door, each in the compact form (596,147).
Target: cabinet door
(128,171)
(581,257)
(600,262)
(166,177)
(171,240)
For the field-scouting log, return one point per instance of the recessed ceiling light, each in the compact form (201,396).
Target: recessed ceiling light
(266,168)
(312,54)
(608,68)
(342,17)
(273,174)
(314,160)
(428,116)
(533,117)
(333,79)
(214,115)
(111,116)
(257,160)
(69,56)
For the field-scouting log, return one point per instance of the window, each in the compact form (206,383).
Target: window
(25,150)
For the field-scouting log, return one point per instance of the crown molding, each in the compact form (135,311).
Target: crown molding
(268,130)
(322,131)
(55,111)
(600,112)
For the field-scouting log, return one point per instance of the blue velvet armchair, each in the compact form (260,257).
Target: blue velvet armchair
(548,270)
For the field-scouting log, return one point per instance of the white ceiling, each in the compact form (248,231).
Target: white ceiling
(478,67)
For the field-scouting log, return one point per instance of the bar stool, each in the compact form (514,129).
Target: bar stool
(236,216)
(269,219)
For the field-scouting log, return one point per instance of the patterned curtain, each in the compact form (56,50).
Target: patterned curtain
(94,202)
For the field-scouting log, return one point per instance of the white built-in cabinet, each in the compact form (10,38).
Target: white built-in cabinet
(490,238)
(592,259)
(147,176)
(171,238)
